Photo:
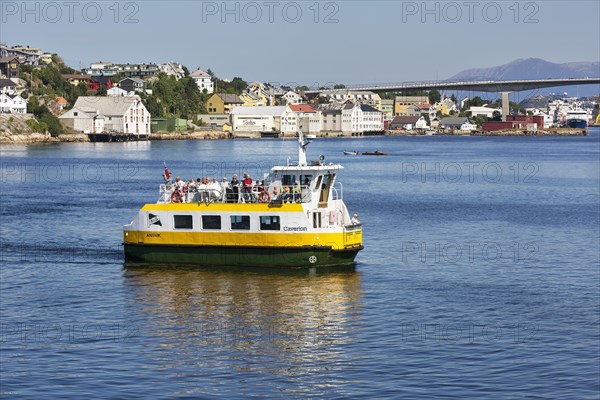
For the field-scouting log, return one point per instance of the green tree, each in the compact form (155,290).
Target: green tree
(434,96)
(340,86)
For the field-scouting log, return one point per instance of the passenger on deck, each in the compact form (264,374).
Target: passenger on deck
(226,189)
(355,220)
(215,190)
(247,183)
(297,193)
(285,193)
(235,185)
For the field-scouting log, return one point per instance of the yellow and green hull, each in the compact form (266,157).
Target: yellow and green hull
(246,249)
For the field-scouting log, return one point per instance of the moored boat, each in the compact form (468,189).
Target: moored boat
(375,153)
(350,153)
(295,219)
(576,118)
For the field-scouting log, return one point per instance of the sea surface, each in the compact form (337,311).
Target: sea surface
(480,277)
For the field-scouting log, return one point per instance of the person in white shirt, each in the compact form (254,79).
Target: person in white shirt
(355,220)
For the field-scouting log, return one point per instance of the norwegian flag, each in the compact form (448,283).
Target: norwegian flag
(167,175)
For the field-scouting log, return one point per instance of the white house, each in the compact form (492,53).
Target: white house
(173,69)
(372,119)
(458,123)
(95,114)
(116,91)
(264,119)
(203,80)
(291,97)
(12,104)
(7,86)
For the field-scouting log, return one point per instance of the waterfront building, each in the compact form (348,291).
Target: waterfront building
(408,122)
(203,80)
(223,103)
(97,114)
(307,117)
(264,119)
(215,121)
(349,117)
(457,123)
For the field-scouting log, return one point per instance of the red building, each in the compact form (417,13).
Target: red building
(517,122)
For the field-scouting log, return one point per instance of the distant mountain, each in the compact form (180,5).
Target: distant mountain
(536,68)
(531,68)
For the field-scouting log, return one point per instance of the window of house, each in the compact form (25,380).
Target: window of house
(182,222)
(211,222)
(75,113)
(270,223)
(240,222)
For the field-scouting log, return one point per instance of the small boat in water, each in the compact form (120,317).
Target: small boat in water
(375,153)
(351,153)
(295,218)
(310,136)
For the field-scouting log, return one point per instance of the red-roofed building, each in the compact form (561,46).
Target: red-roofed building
(308,118)
(61,102)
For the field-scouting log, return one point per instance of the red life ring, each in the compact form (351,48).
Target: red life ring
(176,196)
(264,197)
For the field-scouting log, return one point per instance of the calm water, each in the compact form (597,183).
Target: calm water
(479,279)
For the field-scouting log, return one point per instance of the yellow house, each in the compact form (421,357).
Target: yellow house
(76,79)
(223,103)
(403,102)
(445,106)
(250,99)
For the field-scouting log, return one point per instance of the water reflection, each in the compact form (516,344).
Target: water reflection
(281,323)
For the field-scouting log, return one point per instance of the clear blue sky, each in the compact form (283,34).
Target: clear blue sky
(285,41)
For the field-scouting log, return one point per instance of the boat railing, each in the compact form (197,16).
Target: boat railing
(229,194)
(337,191)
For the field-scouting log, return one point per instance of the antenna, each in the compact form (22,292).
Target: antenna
(302,147)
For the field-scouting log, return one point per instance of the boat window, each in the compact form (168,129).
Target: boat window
(316,220)
(318,185)
(288,180)
(327,181)
(240,222)
(305,180)
(211,222)
(270,223)
(182,222)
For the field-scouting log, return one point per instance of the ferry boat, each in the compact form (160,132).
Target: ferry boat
(295,219)
(576,118)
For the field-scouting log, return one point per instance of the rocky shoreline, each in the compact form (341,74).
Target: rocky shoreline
(8,137)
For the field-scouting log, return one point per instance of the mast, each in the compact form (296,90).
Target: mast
(302,148)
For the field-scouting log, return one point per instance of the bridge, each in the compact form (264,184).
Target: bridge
(475,86)
(503,87)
